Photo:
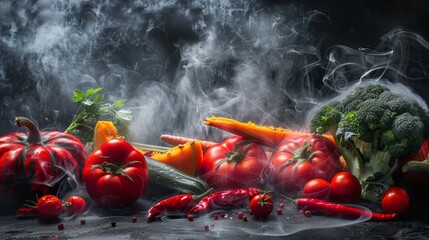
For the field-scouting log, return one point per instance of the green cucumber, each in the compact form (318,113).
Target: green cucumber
(166,180)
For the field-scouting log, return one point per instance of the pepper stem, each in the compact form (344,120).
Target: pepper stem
(197,197)
(411,166)
(289,199)
(33,132)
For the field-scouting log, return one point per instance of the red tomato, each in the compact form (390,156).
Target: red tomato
(345,187)
(299,159)
(49,207)
(261,205)
(317,188)
(116,174)
(395,200)
(234,163)
(75,205)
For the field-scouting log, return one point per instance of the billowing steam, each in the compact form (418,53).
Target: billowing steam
(178,62)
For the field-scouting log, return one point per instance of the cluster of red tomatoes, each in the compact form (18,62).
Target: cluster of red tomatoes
(304,166)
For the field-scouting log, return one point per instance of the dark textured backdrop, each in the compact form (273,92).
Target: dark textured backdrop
(177,62)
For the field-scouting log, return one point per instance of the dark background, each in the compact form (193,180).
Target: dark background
(135,51)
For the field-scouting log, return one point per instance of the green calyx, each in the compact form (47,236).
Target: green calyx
(264,200)
(114,168)
(232,158)
(235,156)
(300,154)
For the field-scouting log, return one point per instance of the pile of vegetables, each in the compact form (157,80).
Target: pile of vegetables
(355,152)
(373,127)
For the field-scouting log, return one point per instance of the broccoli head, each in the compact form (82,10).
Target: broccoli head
(373,126)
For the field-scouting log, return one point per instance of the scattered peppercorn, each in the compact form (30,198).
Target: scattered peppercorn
(206,227)
(61,226)
(240,215)
(281,205)
(113,224)
(279,211)
(215,217)
(134,219)
(307,213)
(245,218)
(222,215)
(82,221)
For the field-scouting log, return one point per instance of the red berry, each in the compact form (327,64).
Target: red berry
(190,218)
(307,213)
(279,211)
(240,215)
(215,217)
(222,214)
(61,226)
(134,219)
(281,205)
(245,218)
(206,227)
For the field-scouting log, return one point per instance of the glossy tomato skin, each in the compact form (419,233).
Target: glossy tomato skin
(49,207)
(247,170)
(395,200)
(110,186)
(261,205)
(345,187)
(75,205)
(299,159)
(317,188)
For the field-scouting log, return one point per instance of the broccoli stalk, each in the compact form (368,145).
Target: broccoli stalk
(373,127)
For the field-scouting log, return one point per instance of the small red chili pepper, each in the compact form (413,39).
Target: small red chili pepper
(321,206)
(227,199)
(176,203)
(27,212)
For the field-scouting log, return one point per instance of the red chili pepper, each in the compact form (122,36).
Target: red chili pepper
(223,199)
(27,212)
(176,203)
(317,205)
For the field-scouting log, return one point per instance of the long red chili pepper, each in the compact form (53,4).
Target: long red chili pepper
(339,210)
(227,199)
(176,203)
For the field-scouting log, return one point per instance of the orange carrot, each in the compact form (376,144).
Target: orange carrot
(178,140)
(268,136)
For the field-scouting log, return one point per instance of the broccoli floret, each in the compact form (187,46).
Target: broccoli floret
(401,139)
(326,118)
(373,127)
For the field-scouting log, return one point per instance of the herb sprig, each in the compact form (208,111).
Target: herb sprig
(92,109)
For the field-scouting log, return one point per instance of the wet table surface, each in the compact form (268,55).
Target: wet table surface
(98,225)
